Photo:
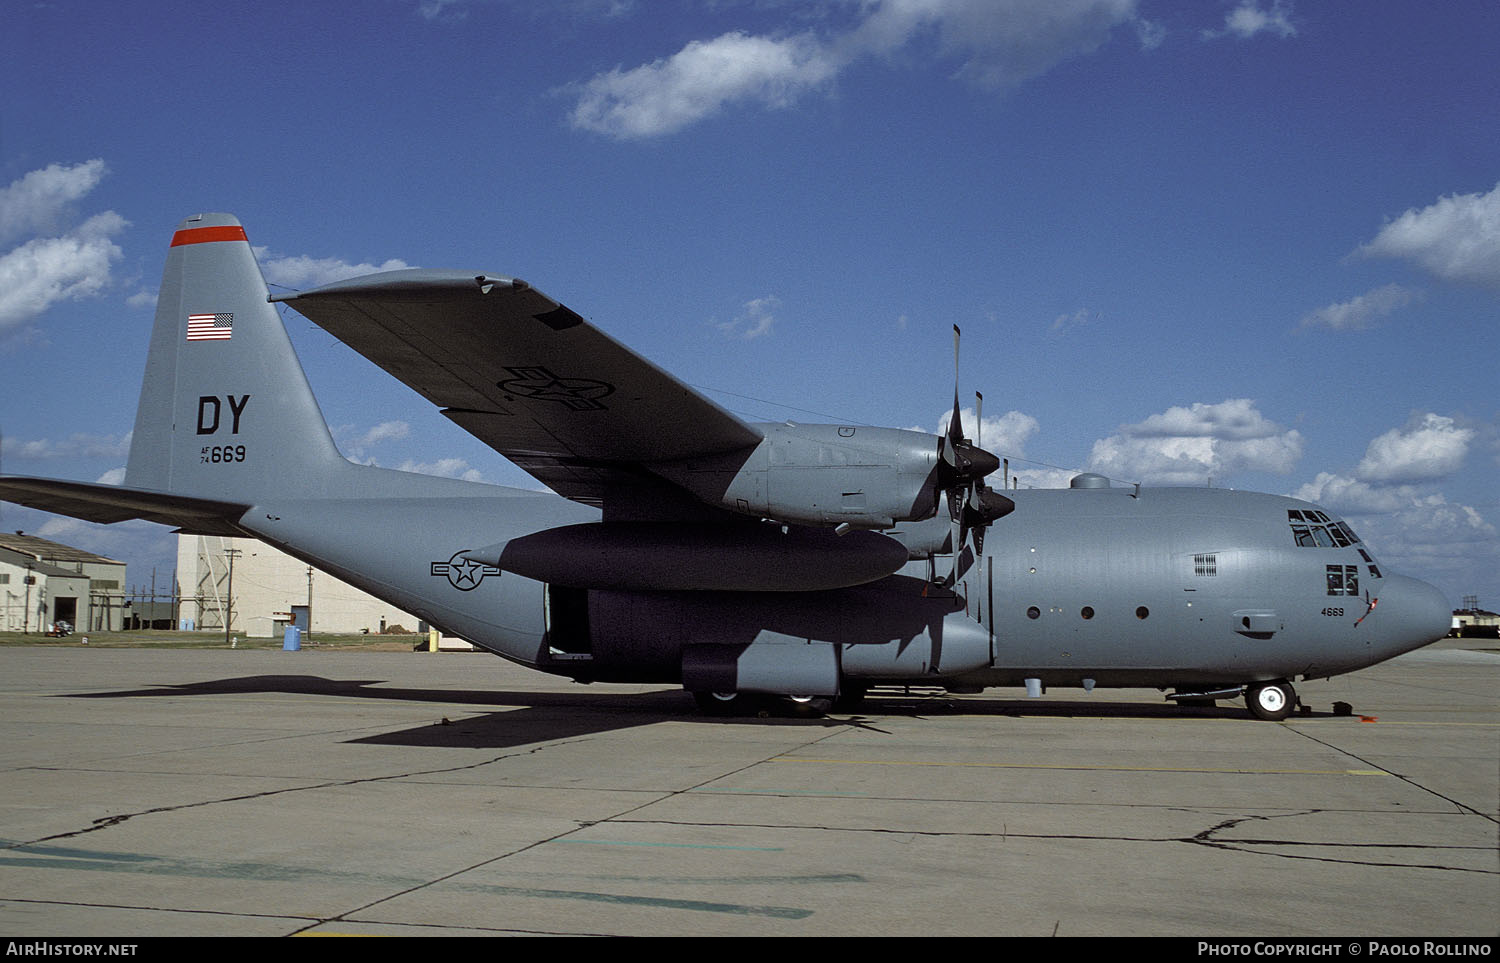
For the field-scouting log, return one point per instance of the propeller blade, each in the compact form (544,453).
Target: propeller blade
(966,461)
(954,437)
(962,467)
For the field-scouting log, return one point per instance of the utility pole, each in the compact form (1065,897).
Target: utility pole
(308,633)
(26,613)
(231,554)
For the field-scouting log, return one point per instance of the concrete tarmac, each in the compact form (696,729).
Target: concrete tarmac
(260,793)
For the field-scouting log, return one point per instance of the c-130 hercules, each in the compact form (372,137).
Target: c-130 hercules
(748,562)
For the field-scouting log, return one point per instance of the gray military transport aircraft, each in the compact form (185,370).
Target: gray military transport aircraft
(791,563)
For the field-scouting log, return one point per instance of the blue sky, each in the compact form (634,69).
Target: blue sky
(1248,243)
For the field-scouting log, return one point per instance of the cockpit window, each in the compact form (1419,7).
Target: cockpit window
(1313,529)
(1343,579)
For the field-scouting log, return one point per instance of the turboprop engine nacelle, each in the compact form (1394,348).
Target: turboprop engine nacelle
(676,556)
(823,475)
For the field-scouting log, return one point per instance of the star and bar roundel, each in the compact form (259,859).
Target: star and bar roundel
(462,573)
(538,382)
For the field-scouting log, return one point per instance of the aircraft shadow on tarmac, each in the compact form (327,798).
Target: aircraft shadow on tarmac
(549,716)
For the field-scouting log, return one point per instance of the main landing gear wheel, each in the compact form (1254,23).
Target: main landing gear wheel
(722,703)
(809,707)
(1271,701)
(748,704)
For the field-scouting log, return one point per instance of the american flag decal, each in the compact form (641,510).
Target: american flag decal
(210,327)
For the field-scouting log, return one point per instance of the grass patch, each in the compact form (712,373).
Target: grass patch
(157,639)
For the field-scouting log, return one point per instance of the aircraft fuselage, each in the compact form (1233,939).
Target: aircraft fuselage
(1111,587)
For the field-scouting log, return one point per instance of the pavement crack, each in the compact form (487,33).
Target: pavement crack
(1401,776)
(1260,845)
(106,822)
(578,827)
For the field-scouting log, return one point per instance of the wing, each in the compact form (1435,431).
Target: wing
(526,375)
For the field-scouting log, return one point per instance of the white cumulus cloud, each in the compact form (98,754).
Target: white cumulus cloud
(700,80)
(1000,44)
(300,272)
(1350,496)
(129,541)
(755,320)
(1005,435)
(1363,311)
(1191,445)
(444,467)
(1456,238)
(1428,447)
(357,446)
(1043,477)
(38,202)
(1248,19)
(997,44)
(74,446)
(64,263)
(1412,530)
(1391,495)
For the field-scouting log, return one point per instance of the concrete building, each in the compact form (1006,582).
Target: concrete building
(1473,622)
(43,582)
(270,591)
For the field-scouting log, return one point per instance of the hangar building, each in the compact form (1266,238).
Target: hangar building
(42,582)
(271,590)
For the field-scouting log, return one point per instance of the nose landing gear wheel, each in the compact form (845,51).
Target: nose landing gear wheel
(1271,701)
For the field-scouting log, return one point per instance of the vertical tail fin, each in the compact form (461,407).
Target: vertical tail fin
(226,411)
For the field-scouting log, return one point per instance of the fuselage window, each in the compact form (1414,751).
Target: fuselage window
(1142,612)
(1033,613)
(1088,612)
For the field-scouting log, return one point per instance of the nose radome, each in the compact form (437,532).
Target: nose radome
(1412,612)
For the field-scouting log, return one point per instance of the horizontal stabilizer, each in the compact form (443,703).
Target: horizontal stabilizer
(112,503)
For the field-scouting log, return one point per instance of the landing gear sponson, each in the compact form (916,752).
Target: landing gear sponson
(1269,701)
